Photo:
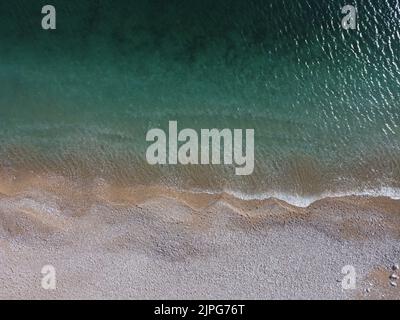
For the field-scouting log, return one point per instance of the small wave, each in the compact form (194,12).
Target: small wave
(306,201)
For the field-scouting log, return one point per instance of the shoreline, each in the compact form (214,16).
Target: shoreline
(95,189)
(147,243)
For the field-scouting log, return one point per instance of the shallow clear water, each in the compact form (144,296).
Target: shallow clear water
(324,102)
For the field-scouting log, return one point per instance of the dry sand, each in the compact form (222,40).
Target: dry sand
(148,243)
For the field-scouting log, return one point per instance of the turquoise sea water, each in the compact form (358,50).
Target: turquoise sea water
(324,102)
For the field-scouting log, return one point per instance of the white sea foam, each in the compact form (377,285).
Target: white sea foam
(305,201)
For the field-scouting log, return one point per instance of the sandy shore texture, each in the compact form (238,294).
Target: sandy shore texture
(148,243)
